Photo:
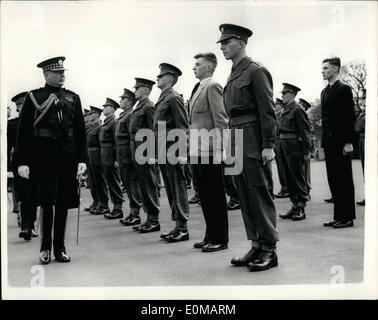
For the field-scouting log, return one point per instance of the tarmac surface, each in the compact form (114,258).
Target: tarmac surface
(111,255)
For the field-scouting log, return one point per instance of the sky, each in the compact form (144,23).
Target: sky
(109,43)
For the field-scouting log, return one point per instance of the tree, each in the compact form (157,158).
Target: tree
(354,74)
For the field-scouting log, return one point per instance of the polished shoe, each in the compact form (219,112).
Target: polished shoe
(168,234)
(233,204)
(33,233)
(200,244)
(94,209)
(139,226)
(299,214)
(101,211)
(210,247)
(150,227)
(195,199)
(289,214)
(361,203)
(282,194)
(115,214)
(346,224)
(132,221)
(92,206)
(26,234)
(330,200)
(122,221)
(330,223)
(45,257)
(62,257)
(250,256)
(178,236)
(265,261)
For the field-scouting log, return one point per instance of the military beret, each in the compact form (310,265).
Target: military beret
(53,64)
(166,68)
(279,101)
(233,31)
(128,94)
(111,103)
(140,82)
(19,98)
(304,103)
(289,87)
(96,110)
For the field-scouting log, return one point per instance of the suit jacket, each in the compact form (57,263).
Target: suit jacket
(338,118)
(207,112)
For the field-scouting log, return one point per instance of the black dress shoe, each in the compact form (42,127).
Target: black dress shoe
(210,247)
(282,194)
(33,233)
(93,210)
(178,236)
(265,261)
(45,257)
(115,214)
(101,211)
(138,227)
(150,227)
(62,257)
(299,214)
(361,203)
(200,244)
(195,199)
(330,200)
(132,221)
(289,214)
(250,256)
(168,234)
(233,205)
(340,224)
(330,223)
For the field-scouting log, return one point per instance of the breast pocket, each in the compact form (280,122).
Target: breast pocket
(241,91)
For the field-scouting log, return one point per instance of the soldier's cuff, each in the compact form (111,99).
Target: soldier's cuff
(270,144)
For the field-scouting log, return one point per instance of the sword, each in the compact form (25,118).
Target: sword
(78,212)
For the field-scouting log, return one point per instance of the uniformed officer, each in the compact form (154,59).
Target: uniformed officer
(126,166)
(248,100)
(98,185)
(294,144)
(170,110)
(143,118)
(21,185)
(283,193)
(51,150)
(307,165)
(109,158)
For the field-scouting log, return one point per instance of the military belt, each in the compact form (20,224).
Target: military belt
(236,121)
(48,133)
(288,136)
(94,149)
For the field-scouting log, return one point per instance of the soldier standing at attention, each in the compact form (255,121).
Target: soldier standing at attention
(98,185)
(51,151)
(170,110)
(143,118)
(294,144)
(126,166)
(108,159)
(248,100)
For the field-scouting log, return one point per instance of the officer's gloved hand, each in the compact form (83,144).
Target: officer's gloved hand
(10,174)
(23,171)
(348,149)
(81,167)
(267,155)
(151,161)
(307,157)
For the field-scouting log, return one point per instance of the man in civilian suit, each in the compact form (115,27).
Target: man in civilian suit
(207,113)
(338,119)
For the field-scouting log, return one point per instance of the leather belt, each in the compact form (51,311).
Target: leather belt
(288,136)
(236,121)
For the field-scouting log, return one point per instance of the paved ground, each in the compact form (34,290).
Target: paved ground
(112,255)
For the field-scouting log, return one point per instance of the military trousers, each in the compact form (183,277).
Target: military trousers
(98,186)
(175,185)
(59,218)
(148,190)
(307,169)
(255,189)
(230,186)
(280,171)
(28,215)
(130,181)
(294,169)
(340,179)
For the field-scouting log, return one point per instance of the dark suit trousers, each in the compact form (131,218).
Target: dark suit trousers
(340,179)
(229,183)
(130,181)
(28,215)
(175,186)
(213,200)
(59,218)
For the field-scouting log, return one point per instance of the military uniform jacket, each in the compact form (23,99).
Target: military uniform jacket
(294,120)
(360,124)
(122,135)
(51,140)
(249,91)
(93,141)
(338,118)
(170,109)
(107,141)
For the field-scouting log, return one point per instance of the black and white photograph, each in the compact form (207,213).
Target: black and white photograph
(220,150)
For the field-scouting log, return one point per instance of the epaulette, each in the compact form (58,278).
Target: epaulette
(69,91)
